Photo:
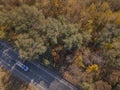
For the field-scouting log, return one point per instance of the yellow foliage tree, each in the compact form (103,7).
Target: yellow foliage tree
(55,3)
(109,46)
(92,10)
(79,61)
(2,34)
(92,68)
(117,17)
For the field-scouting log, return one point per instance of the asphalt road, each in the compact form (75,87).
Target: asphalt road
(38,75)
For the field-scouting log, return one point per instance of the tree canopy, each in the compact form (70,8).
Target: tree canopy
(79,38)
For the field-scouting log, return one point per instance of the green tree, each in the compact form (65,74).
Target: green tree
(22,19)
(110,43)
(62,33)
(71,37)
(33,34)
(30,45)
(52,31)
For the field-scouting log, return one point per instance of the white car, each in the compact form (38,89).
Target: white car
(22,66)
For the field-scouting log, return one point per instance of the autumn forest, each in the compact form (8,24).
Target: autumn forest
(78,38)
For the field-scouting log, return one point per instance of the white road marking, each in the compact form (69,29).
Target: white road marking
(69,85)
(62,81)
(13,67)
(6,50)
(21,73)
